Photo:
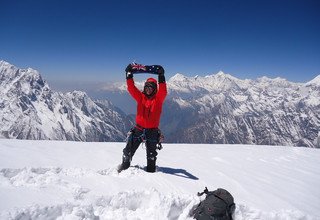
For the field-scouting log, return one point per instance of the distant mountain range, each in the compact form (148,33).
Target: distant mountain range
(29,109)
(223,109)
(218,108)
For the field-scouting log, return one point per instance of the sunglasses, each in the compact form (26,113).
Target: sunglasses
(148,88)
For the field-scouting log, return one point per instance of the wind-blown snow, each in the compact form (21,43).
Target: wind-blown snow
(75,180)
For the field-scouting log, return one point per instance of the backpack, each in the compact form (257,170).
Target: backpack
(218,205)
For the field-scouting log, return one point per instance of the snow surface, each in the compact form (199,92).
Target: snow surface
(76,180)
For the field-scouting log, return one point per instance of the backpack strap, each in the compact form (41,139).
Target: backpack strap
(205,191)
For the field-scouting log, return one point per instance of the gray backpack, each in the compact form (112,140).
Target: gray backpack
(218,205)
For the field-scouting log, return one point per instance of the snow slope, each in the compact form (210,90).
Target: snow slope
(76,180)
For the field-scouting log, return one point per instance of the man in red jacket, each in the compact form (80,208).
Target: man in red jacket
(149,108)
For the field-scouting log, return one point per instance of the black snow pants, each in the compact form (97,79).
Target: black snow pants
(135,138)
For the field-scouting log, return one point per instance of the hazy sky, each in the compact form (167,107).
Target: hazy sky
(95,40)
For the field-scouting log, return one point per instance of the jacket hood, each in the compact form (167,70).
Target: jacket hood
(152,80)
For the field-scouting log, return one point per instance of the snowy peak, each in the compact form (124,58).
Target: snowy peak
(278,82)
(5,65)
(7,71)
(222,82)
(27,81)
(221,74)
(10,71)
(178,77)
(266,79)
(210,83)
(314,82)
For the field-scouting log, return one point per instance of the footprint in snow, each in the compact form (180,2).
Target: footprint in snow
(131,171)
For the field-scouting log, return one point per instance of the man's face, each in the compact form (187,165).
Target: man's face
(148,90)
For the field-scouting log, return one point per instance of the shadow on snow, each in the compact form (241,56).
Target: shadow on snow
(177,172)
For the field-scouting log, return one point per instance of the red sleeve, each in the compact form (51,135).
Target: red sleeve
(162,93)
(133,90)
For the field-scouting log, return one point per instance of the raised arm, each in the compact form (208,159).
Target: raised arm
(132,89)
(162,93)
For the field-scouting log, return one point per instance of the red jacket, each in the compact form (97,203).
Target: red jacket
(148,109)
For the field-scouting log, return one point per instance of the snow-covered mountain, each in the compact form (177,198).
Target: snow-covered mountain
(220,108)
(77,180)
(225,109)
(29,109)
(217,108)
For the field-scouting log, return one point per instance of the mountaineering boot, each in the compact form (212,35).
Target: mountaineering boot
(151,165)
(123,166)
(125,163)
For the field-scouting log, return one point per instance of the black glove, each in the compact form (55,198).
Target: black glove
(129,74)
(160,72)
(129,68)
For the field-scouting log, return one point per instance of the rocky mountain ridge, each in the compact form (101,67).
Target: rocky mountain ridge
(29,109)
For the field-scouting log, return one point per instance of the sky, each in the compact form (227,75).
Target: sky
(93,41)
